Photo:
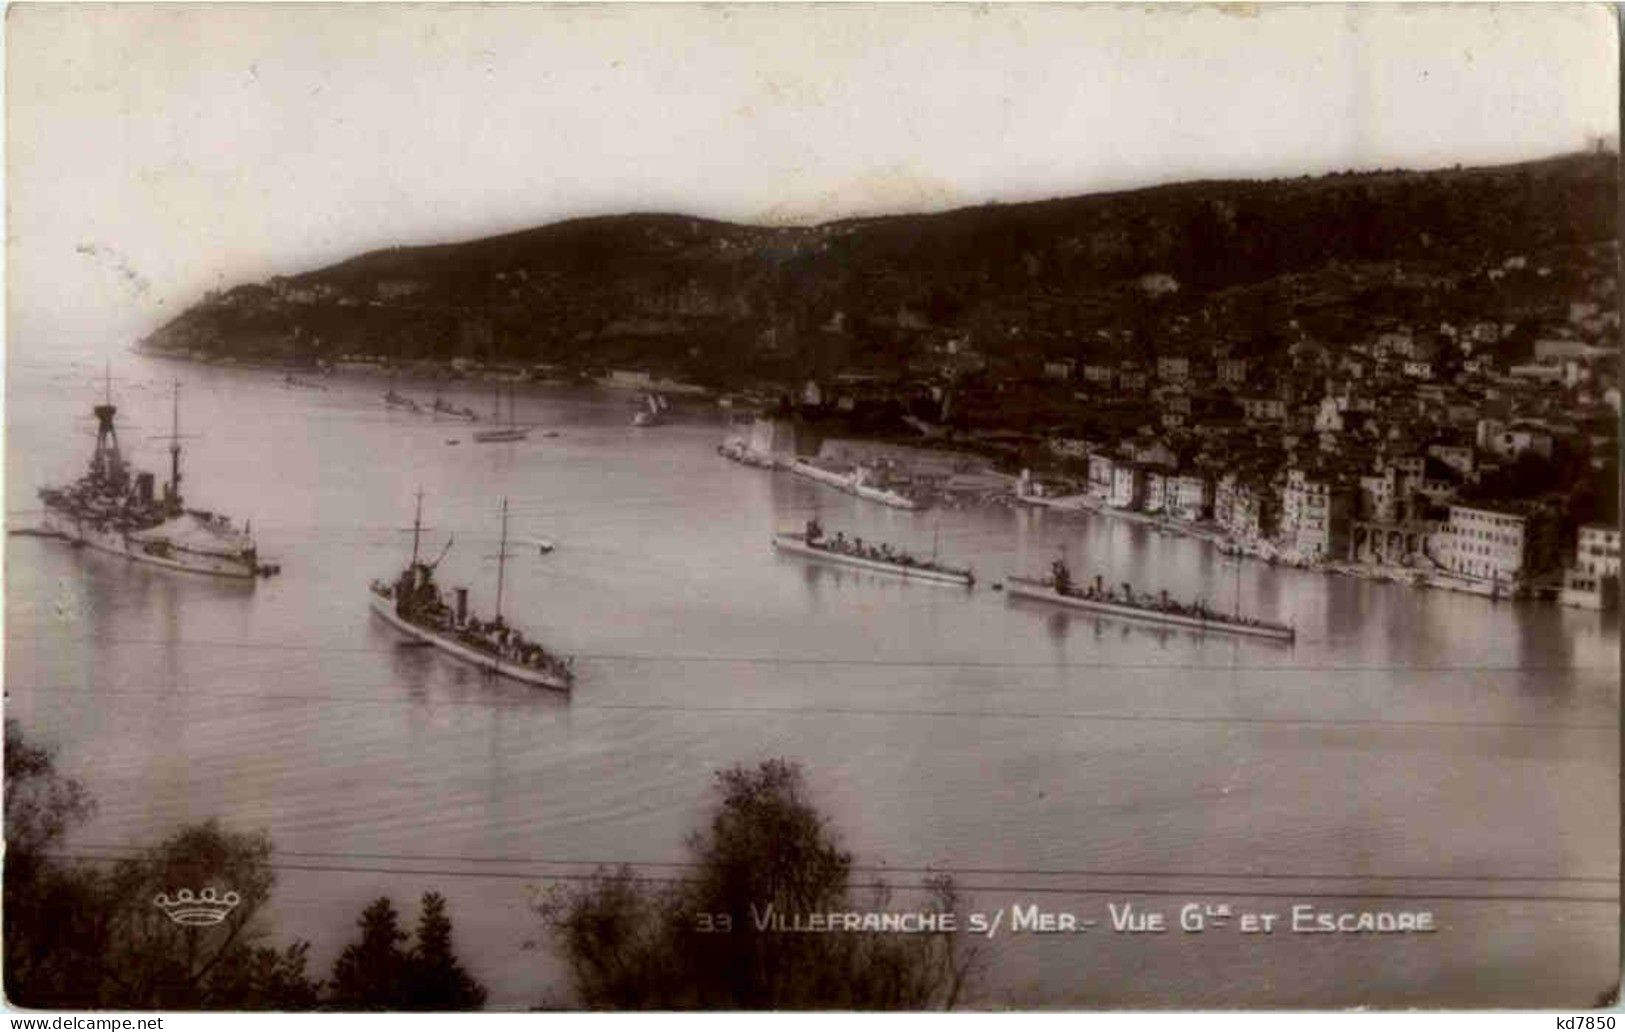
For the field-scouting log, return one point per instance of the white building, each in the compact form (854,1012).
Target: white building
(1100,476)
(1187,496)
(1263,410)
(1314,516)
(1592,581)
(1509,440)
(1489,544)
(1173,369)
(1128,485)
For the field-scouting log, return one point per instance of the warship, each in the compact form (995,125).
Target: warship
(113,508)
(414,605)
(1127,604)
(814,544)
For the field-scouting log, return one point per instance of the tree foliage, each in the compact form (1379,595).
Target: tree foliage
(383,972)
(707,941)
(86,937)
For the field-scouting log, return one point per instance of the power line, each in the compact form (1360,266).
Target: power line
(831,661)
(930,868)
(1080,890)
(857,711)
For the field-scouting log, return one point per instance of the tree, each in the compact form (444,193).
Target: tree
(79,937)
(150,960)
(45,904)
(708,941)
(368,974)
(438,981)
(381,972)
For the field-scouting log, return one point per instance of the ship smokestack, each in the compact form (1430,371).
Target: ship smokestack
(462,605)
(143,488)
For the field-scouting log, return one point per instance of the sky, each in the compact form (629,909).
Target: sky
(156,152)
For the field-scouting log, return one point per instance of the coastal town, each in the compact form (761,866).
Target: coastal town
(1419,453)
(1410,376)
(1471,446)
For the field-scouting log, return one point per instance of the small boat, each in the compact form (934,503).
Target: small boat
(512,432)
(653,412)
(1058,588)
(440,406)
(813,544)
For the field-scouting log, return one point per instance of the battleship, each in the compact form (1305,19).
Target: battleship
(414,605)
(813,543)
(1128,605)
(113,509)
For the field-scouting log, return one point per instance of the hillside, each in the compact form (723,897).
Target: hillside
(1073,277)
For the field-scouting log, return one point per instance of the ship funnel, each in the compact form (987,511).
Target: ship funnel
(143,488)
(462,605)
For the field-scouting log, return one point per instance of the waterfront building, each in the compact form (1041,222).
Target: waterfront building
(1100,476)
(1315,515)
(1128,485)
(1390,542)
(1187,496)
(1489,542)
(1592,580)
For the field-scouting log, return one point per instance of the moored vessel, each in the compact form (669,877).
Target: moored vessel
(814,544)
(511,432)
(414,605)
(861,481)
(113,508)
(1097,598)
(653,411)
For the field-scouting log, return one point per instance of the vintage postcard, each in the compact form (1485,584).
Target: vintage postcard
(782,507)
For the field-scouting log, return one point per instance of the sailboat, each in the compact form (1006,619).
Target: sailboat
(512,432)
(414,605)
(653,412)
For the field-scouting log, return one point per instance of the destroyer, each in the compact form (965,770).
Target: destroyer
(854,552)
(413,605)
(1147,608)
(112,509)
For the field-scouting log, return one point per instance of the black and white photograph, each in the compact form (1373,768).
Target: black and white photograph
(788,507)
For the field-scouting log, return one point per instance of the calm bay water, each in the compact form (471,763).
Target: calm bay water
(1410,744)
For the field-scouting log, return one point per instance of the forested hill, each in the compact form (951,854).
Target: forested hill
(720,302)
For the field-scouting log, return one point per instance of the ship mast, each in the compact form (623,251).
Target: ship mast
(106,461)
(417,527)
(1238,586)
(175,450)
(502,557)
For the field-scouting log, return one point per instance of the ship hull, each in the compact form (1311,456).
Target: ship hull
(115,542)
(385,608)
(796,546)
(848,482)
(494,436)
(1021,588)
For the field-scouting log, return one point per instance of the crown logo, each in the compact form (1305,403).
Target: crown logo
(206,908)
